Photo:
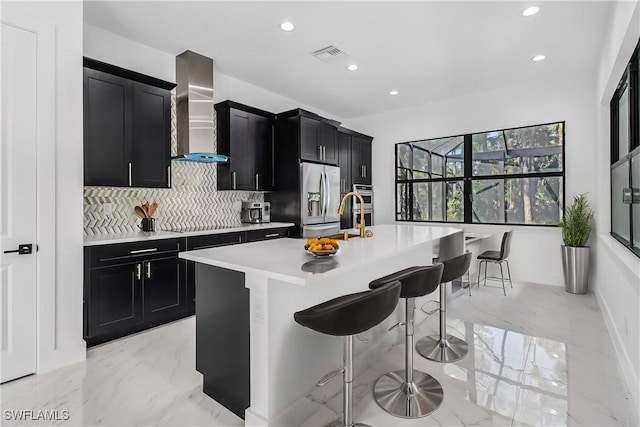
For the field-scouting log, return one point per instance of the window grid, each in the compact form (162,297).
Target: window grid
(463,155)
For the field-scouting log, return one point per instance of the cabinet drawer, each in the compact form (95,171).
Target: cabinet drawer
(270,233)
(213,240)
(100,256)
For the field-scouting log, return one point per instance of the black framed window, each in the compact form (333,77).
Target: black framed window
(508,176)
(625,157)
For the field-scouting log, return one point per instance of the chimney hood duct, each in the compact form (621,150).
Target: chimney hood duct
(194,109)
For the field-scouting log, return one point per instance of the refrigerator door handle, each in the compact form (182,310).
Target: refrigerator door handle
(322,195)
(327,198)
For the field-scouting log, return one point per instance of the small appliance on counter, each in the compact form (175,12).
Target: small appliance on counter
(255,212)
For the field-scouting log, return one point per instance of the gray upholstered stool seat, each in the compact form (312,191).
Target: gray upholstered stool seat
(497,257)
(346,316)
(444,347)
(410,393)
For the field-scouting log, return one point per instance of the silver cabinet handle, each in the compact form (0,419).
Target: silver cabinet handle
(169,176)
(272,235)
(138,268)
(257,181)
(319,152)
(148,270)
(324,152)
(129,174)
(142,251)
(365,170)
(233,180)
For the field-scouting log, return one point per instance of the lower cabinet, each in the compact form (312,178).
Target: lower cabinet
(164,291)
(130,287)
(115,298)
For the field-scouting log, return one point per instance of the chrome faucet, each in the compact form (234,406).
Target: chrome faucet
(359,225)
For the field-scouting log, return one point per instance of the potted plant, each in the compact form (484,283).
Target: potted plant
(576,228)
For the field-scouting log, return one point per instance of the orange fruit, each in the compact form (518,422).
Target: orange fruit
(327,247)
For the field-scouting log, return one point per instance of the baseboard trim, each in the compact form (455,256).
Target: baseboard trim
(625,366)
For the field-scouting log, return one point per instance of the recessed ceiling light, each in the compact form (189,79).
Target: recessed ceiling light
(287,26)
(352,67)
(393,92)
(538,58)
(531,11)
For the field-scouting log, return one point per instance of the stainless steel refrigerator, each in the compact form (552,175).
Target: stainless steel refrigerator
(320,199)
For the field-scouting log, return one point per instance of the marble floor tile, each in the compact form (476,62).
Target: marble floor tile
(538,356)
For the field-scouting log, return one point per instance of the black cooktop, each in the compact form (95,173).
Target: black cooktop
(189,228)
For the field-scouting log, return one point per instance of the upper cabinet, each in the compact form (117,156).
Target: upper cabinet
(246,135)
(315,138)
(361,160)
(127,128)
(318,141)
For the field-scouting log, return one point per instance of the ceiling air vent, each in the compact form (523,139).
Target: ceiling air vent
(328,53)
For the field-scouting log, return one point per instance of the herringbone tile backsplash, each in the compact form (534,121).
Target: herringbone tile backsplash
(192,201)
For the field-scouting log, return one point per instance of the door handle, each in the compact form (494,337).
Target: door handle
(319,152)
(138,271)
(233,180)
(257,181)
(365,170)
(324,152)
(272,235)
(129,174)
(23,249)
(148,270)
(169,176)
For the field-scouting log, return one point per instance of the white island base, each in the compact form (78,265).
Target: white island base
(286,360)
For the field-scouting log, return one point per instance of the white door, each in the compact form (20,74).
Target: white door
(18,203)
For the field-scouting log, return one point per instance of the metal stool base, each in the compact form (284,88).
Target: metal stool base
(408,400)
(340,423)
(449,350)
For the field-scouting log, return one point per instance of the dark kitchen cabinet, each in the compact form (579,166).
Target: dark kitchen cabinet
(344,162)
(127,128)
(360,160)
(164,289)
(246,135)
(130,287)
(115,298)
(318,141)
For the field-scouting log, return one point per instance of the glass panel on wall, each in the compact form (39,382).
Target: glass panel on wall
(519,151)
(635,183)
(623,123)
(403,158)
(620,217)
(488,201)
(455,201)
(533,200)
(402,200)
(421,163)
(422,201)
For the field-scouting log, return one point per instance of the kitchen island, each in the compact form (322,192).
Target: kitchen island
(249,349)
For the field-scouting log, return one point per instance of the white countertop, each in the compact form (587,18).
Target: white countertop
(138,236)
(284,259)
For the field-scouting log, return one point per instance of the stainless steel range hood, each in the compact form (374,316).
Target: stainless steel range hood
(194,109)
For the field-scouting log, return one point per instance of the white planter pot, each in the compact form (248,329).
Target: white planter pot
(575,265)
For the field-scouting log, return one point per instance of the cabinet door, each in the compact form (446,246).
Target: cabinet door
(262,143)
(329,143)
(107,129)
(151,136)
(365,156)
(165,295)
(240,150)
(115,300)
(360,160)
(309,139)
(344,162)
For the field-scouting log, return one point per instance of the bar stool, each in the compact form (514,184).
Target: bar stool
(443,347)
(410,393)
(497,257)
(347,316)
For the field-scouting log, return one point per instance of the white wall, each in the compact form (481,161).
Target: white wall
(114,49)
(617,270)
(570,99)
(58,26)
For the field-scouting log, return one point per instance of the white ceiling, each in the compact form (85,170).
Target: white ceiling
(425,50)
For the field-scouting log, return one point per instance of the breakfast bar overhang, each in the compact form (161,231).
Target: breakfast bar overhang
(246,297)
